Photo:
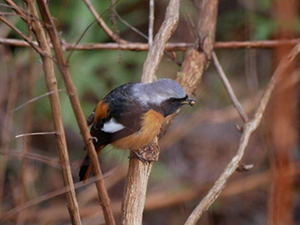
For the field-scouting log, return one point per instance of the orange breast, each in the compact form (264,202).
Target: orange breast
(151,125)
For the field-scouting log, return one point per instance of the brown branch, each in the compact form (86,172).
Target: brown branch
(229,89)
(138,172)
(249,128)
(102,24)
(18,10)
(51,82)
(27,39)
(63,67)
(267,44)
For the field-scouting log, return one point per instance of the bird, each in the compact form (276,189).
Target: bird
(131,115)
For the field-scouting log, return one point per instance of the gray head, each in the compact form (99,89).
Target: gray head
(164,95)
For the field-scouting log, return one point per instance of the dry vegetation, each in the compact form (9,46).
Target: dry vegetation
(210,168)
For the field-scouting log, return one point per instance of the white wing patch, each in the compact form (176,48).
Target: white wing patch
(112,126)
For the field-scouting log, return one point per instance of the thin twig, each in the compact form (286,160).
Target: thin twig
(102,24)
(46,197)
(51,82)
(28,40)
(130,26)
(151,22)
(229,89)
(249,128)
(72,93)
(267,44)
(37,98)
(36,134)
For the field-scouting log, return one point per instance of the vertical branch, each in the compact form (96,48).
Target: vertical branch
(151,22)
(156,51)
(63,67)
(51,83)
(283,123)
(138,172)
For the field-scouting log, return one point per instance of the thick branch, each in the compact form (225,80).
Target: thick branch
(138,172)
(249,128)
(64,69)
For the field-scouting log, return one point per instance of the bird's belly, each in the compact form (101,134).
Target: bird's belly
(151,125)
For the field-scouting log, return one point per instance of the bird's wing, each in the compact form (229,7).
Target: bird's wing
(118,115)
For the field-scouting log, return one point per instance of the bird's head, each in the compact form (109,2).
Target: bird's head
(164,95)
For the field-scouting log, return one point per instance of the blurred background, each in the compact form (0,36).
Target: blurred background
(197,146)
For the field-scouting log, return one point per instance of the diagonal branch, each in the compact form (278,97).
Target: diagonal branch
(51,83)
(102,24)
(229,89)
(249,128)
(27,39)
(64,69)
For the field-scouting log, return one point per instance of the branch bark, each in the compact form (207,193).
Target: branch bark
(64,69)
(229,89)
(249,128)
(51,83)
(267,44)
(102,24)
(138,172)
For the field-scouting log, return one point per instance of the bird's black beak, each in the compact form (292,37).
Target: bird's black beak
(189,101)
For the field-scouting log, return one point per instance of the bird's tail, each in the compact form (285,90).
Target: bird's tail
(86,167)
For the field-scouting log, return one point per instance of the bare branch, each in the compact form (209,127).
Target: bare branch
(249,128)
(151,22)
(36,134)
(138,172)
(102,24)
(156,51)
(51,82)
(267,44)
(30,42)
(37,98)
(229,89)
(63,67)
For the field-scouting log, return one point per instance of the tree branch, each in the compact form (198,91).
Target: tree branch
(102,24)
(64,69)
(51,82)
(27,39)
(138,172)
(229,89)
(249,128)
(267,44)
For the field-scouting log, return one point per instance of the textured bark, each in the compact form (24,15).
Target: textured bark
(138,172)
(64,69)
(51,83)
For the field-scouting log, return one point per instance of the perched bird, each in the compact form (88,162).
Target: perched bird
(131,115)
